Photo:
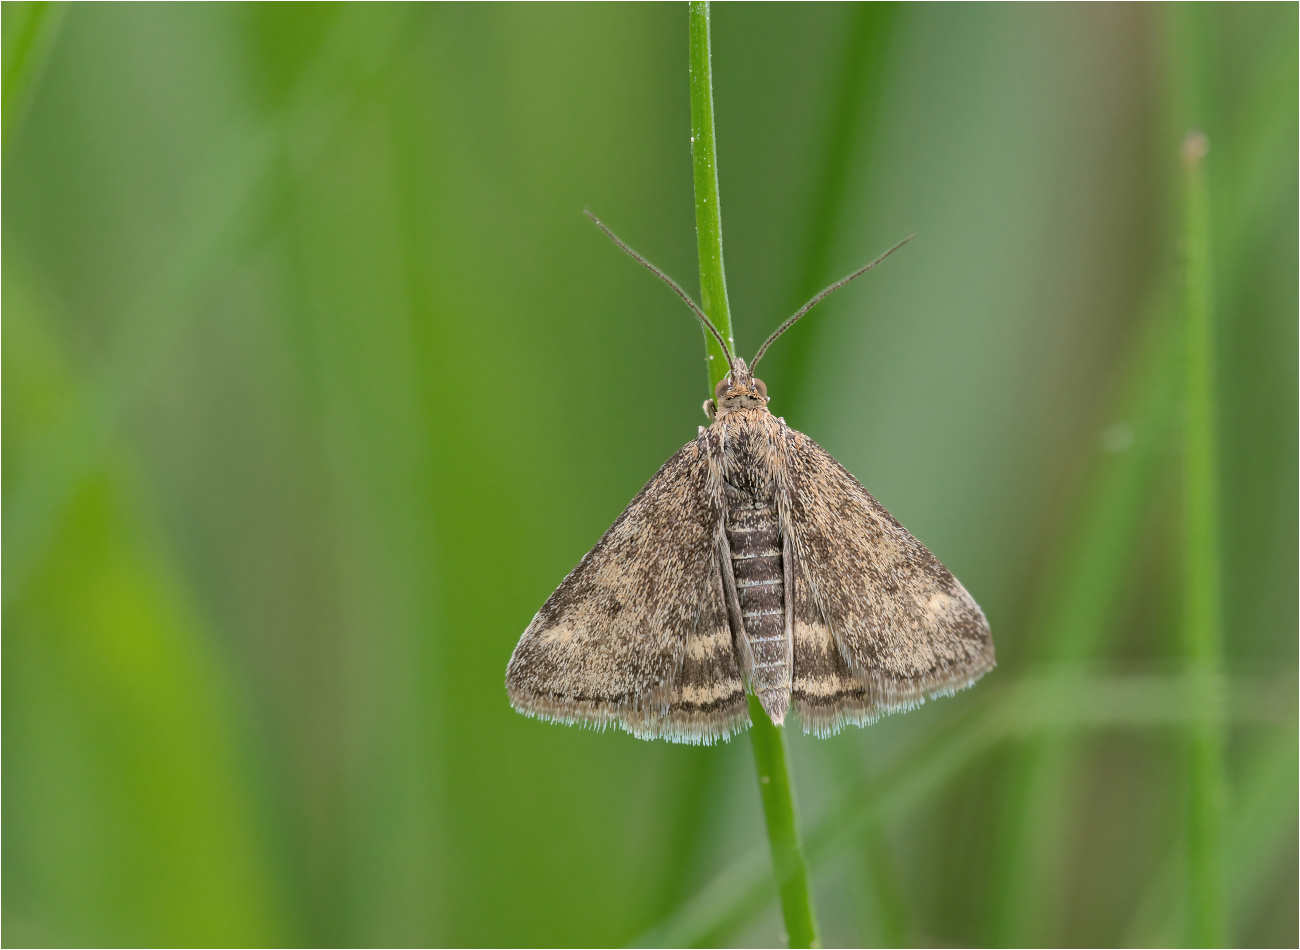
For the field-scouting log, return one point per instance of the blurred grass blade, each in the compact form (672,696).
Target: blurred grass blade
(54,468)
(34,27)
(871,30)
(222,210)
(1260,829)
(847,145)
(1084,594)
(1201,575)
(1201,571)
(123,749)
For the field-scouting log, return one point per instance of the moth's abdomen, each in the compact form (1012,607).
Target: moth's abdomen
(755,538)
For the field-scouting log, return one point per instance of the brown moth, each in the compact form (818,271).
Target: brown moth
(752,560)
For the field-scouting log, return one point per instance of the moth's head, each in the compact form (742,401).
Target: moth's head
(739,389)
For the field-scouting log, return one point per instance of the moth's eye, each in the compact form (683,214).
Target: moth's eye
(761,387)
(719,389)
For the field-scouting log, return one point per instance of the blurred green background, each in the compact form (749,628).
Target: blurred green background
(317,382)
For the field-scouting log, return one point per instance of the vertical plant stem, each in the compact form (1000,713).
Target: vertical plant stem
(768,740)
(782,828)
(1201,593)
(708,210)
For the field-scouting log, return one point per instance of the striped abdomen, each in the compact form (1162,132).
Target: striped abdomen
(754,534)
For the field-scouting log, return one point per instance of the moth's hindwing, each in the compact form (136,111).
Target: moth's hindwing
(637,635)
(879,623)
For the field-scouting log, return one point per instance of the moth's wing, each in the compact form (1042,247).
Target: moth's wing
(826,692)
(707,701)
(634,635)
(879,623)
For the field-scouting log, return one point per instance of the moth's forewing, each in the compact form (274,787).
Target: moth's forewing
(880,624)
(826,693)
(707,702)
(637,634)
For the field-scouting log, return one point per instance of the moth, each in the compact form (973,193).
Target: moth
(751,561)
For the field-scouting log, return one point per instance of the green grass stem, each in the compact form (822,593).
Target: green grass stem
(788,863)
(708,208)
(768,740)
(1200,569)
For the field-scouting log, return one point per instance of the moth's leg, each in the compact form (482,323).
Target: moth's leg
(738,634)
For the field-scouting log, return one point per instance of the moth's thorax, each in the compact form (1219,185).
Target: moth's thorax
(750,450)
(749,440)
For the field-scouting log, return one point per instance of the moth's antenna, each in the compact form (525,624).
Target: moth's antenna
(671,283)
(825,292)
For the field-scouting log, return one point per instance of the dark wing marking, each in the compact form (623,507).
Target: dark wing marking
(879,623)
(634,634)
